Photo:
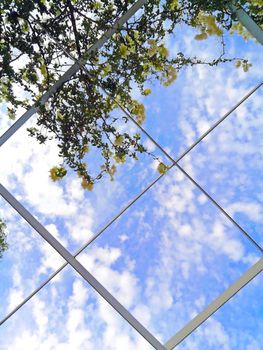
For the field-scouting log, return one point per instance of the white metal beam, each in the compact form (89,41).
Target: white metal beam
(72,70)
(123,210)
(257,32)
(137,197)
(175,162)
(88,277)
(253,28)
(215,305)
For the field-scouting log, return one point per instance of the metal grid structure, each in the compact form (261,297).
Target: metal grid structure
(71,259)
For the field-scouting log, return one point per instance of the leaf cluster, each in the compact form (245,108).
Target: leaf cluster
(36,40)
(40,39)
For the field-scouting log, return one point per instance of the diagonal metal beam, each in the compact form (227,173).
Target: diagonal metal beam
(254,29)
(215,305)
(71,260)
(175,162)
(71,71)
(128,114)
(229,217)
(80,64)
(123,210)
(137,197)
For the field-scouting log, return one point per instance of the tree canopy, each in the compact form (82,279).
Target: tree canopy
(38,40)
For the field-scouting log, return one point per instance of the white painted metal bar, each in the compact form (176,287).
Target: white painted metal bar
(137,197)
(215,305)
(81,249)
(88,277)
(72,70)
(176,161)
(253,28)
(72,261)
(139,125)
(254,242)
(168,155)
(250,93)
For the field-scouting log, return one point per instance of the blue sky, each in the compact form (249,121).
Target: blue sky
(172,252)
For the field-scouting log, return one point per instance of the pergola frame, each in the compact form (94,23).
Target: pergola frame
(257,32)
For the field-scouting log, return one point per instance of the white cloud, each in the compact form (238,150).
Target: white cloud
(252,210)
(193,242)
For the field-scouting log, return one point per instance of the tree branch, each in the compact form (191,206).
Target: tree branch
(71,9)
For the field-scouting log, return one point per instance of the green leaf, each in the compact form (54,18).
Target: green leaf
(163,51)
(147,92)
(57,173)
(124,51)
(43,70)
(162,168)
(87,184)
(11,113)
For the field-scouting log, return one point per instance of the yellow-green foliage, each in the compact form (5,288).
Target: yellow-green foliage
(57,173)
(169,75)
(208,26)
(256,6)
(240,30)
(245,65)
(138,110)
(87,185)
(111,171)
(162,168)
(147,92)
(118,140)
(124,51)
(173,4)
(80,114)
(120,159)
